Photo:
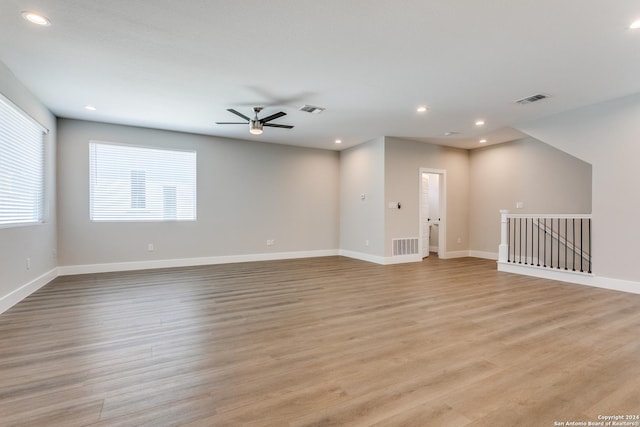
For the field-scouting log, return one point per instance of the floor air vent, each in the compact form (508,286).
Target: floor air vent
(408,246)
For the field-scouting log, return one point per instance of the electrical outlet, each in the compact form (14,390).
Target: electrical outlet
(150,247)
(366,243)
(271,242)
(459,239)
(28,263)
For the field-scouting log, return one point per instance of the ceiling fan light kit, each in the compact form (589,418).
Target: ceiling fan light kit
(256,124)
(255,127)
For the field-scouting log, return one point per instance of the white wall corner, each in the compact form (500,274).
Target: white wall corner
(12,298)
(376,259)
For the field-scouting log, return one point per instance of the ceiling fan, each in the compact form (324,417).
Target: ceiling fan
(256,124)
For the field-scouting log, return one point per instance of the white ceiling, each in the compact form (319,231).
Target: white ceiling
(179,64)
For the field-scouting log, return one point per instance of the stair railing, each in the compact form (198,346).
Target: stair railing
(558,242)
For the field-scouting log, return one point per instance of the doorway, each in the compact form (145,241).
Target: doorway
(432,212)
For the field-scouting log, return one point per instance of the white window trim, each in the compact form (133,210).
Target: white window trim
(136,214)
(36,126)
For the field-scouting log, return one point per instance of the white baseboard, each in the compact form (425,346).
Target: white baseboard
(471,253)
(402,259)
(376,259)
(571,277)
(9,300)
(70,270)
(617,284)
(455,254)
(17,295)
(414,258)
(485,255)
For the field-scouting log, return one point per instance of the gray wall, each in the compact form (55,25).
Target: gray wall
(362,172)
(403,160)
(545,179)
(248,192)
(37,242)
(479,183)
(605,135)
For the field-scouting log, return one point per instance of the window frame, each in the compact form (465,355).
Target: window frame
(130,219)
(30,126)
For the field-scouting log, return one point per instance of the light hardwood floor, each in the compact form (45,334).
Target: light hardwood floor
(316,342)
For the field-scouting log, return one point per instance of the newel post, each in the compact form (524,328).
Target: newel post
(503,249)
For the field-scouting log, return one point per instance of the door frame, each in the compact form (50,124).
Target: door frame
(442,199)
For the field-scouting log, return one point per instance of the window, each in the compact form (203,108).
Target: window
(21,166)
(138,189)
(131,183)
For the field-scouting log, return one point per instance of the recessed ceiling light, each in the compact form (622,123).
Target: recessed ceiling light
(36,18)
(483,141)
(338,141)
(479,122)
(90,108)
(421,109)
(635,25)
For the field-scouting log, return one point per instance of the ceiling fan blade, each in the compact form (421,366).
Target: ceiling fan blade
(273,117)
(273,125)
(232,123)
(231,110)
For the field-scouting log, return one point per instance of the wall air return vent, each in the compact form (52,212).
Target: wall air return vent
(311,109)
(405,246)
(532,98)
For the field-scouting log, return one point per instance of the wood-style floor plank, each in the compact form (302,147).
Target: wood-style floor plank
(318,342)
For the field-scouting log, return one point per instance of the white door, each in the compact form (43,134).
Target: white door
(424,214)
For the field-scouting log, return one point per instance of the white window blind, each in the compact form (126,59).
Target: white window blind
(131,183)
(21,166)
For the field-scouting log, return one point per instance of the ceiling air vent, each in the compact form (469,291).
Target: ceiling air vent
(533,98)
(311,109)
